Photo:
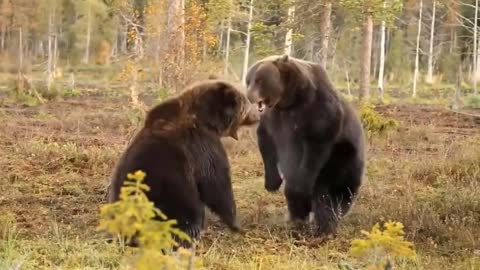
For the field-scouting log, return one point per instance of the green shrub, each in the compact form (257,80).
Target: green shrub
(373,122)
(382,246)
(472,102)
(134,216)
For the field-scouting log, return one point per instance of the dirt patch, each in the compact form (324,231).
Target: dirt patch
(444,120)
(56,159)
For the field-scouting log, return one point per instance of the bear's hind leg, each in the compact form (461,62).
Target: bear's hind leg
(330,204)
(325,216)
(217,194)
(299,204)
(191,226)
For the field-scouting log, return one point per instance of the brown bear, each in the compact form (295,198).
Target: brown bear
(308,137)
(180,150)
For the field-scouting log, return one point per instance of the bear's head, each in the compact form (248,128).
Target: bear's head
(276,81)
(222,107)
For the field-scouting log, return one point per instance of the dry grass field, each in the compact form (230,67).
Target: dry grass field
(55,159)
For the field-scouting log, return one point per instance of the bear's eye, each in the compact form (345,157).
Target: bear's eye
(258,81)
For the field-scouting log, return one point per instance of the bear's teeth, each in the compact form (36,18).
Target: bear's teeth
(261,106)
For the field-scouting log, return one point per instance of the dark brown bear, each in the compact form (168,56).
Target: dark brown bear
(308,137)
(180,150)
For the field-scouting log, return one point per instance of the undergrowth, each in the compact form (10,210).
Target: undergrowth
(135,218)
(373,122)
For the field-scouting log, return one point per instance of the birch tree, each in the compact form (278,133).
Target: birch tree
(175,51)
(90,13)
(50,68)
(247,42)
(227,45)
(367,12)
(417,50)
(475,49)
(366,58)
(289,34)
(381,68)
(6,13)
(89,19)
(429,78)
(325,29)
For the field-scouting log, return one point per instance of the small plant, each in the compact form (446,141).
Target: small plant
(71,92)
(135,116)
(134,216)
(472,102)
(373,122)
(23,91)
(382,246)
(162,94)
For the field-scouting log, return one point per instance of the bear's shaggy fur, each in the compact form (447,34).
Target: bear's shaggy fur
(308,137)
(180,150)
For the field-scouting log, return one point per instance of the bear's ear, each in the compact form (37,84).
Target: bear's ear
(229,103)
(217,107)
(284,58)
(168,111)
(228,113)
(295,76)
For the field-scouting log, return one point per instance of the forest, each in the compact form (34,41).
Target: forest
(77,78)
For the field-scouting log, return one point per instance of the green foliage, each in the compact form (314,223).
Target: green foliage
(25,99)
(7,225)
(8,235)
(472,102)
(263,36)
(162,94)
(447,66)
(398,64)
(218,10)
(374,8)
(373,122)
(135,116)
(22,93)
(134,216)
(72,92)
(49,93)
(95,14)
(382,246)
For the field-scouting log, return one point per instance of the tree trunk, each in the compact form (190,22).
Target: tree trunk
(124,38)
(227,46)
(247,45)
(347,77)
(381,68)
(86,57)
(2,37)
(220,38)
(20,50)
(288,35)
(176,36)
(375,52)
(430,51)
(325,29)
(364,92)
(50,52)
(417,51)
(204,49)
(452,39)
(475,50)
(55,49)
(181,40)
(72,81)
(114,50)
(311,47)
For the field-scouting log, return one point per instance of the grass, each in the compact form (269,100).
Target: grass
(56,159)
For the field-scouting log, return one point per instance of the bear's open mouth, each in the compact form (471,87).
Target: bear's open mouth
(261,106)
